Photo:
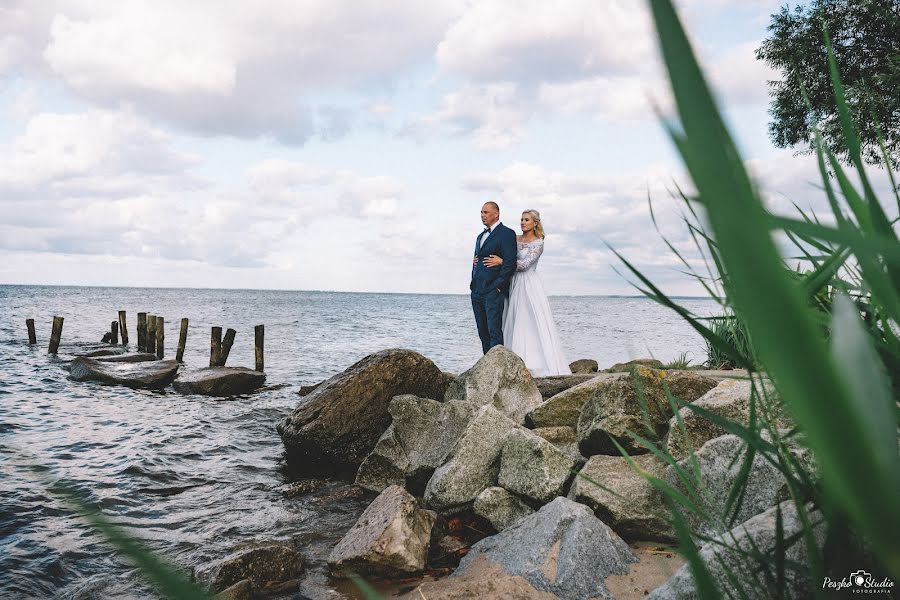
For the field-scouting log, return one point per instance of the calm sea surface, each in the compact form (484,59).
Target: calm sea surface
(197,477)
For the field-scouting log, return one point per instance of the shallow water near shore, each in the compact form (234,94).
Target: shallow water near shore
(198,477)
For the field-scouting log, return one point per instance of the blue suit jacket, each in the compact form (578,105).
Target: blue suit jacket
(502,242)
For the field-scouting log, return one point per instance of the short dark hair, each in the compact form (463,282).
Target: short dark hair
(494,204)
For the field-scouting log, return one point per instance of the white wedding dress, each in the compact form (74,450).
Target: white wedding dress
(528,326)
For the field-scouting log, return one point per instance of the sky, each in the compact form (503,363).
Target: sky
(348,145)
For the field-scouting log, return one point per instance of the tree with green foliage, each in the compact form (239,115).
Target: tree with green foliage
(866,38)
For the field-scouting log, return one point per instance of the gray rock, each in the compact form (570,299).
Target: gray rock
(626,367)
(391,538)
(551,386)
(564,408)
(729,553)
(419,440)
(729,399)
(584,365)
(501,507)
(533,467)
(260,565)
(500,379)
(473,464)
(131,357)
(562,548)
(558,436)
(720,461)
(219,381)
(242,590)
(563,438)
(482,580)
(150,375)
(341,421)
(624,499)
(615,409)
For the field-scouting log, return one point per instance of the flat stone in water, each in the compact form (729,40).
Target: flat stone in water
(154,375)
(132,357)
(220,381)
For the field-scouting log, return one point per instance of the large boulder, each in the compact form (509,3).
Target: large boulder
(533,467)
(554,384)
(500,379)
(720,461)
(341,421)
(727,556)
(562,548)
(150,375)
(501,507)
(616,408)
(623,498)
(219,381)
(473,464)
(564,408)
(584,365)
(391,538)
(730,399)
(260,566)
(418,441)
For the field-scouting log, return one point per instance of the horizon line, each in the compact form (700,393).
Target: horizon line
(137,287)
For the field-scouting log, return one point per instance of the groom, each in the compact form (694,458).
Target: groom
(490,285)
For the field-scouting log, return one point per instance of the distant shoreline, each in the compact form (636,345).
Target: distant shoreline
(134,287)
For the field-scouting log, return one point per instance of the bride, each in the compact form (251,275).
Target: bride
(528,326)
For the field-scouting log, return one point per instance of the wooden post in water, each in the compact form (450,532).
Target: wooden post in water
(160,337)
(123,328)
(151,334)
(215,346)
(142,332)
(182,340)
(226,346)
(114,330)
(32,336)
(56,334)
(259,335)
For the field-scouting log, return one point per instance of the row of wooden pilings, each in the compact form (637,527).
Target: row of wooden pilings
(151,338)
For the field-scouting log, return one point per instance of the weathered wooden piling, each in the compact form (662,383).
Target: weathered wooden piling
(182,341)
(114,330)
(215,346)
(123,328)
(151,334)
(56,334)
(32,336)
(259,336)
(142,332)
(160,337)
(226,346)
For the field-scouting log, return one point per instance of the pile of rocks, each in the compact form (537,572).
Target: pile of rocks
(548,473)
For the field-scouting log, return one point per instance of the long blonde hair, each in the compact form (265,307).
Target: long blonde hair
(538,227)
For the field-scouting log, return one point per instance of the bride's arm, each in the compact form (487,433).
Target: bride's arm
(532,253)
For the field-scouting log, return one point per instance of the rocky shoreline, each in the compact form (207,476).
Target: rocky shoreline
(516,486)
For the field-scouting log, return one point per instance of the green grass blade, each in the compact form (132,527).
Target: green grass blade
(787,338)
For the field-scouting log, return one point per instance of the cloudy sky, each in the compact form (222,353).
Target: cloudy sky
(349,144)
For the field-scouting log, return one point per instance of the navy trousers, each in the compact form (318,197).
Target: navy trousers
(488,309)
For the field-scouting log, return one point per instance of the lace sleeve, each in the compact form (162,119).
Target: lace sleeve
(531,253)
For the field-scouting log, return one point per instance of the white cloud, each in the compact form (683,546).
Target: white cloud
(92,153)
(536,41)
(237,68)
